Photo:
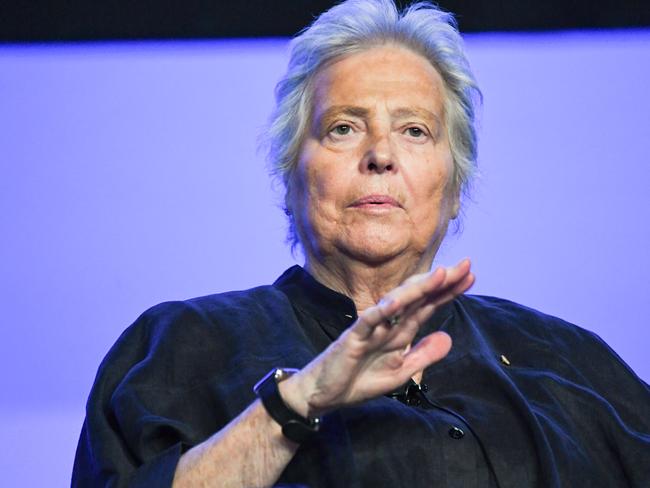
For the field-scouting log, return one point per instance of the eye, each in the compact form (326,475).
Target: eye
(415,132)
(342,130)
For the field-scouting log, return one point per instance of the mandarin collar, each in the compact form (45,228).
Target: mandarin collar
(336,309)
(319,301)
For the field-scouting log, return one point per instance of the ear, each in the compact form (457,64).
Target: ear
(288,210)
(455,203)
(455,209)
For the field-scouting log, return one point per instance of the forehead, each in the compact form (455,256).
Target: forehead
(389,75)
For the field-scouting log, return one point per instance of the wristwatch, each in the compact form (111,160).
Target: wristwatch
(294,427)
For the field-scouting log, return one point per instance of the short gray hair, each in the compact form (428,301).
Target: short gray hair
(357,25)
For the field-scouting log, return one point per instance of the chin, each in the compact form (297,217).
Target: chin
(373,247)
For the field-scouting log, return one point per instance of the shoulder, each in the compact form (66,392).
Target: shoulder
(216,304)
(508,317)
(520,326)
(211,325)
(505,309)
(209,310)
(537,338)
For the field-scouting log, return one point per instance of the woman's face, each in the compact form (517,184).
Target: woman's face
(373,179)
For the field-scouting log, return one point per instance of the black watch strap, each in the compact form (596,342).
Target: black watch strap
(294,427)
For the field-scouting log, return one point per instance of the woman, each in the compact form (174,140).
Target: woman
(373,138)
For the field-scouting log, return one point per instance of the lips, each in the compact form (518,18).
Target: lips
(376,200)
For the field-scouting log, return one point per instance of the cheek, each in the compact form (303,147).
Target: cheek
(433,193)
(322,177)
(302,181)
(316,189)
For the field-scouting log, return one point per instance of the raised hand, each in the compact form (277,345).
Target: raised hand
(374,356)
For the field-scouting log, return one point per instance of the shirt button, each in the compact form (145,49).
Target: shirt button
(456,432)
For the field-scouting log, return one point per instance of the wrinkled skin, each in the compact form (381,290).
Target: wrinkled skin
(372,196)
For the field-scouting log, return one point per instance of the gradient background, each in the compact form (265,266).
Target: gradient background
(129,176)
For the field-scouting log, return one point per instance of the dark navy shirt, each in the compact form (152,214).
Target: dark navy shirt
(523,399)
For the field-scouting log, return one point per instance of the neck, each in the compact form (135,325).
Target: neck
(366,283)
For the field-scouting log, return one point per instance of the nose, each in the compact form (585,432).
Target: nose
(379,156)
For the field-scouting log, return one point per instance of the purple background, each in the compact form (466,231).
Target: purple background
(129,176)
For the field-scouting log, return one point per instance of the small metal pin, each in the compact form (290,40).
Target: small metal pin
(348,315)
(505,360)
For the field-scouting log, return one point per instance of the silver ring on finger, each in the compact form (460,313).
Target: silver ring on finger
(394,320)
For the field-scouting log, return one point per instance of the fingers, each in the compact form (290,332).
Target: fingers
(417,298)
(456,274)
(429,350)
(417,287)
(452,277)
(457,280)
(377,315)
(395,301)
(457,288)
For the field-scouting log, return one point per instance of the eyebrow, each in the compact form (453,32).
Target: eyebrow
(422,113)
(336,110)
(401,113)
(354,111)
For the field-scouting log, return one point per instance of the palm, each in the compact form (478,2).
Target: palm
(373,357)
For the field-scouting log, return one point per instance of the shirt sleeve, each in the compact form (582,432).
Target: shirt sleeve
(627,397)
(114,470)
(139,415)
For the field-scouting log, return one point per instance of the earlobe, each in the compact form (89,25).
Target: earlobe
(455,209)
(455,206)
(287,202)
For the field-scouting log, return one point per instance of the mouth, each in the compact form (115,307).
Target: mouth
(376,201)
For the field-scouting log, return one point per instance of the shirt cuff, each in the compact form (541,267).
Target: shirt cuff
(159,471)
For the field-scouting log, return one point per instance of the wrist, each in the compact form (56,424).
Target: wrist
(295,395)
(296,426)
